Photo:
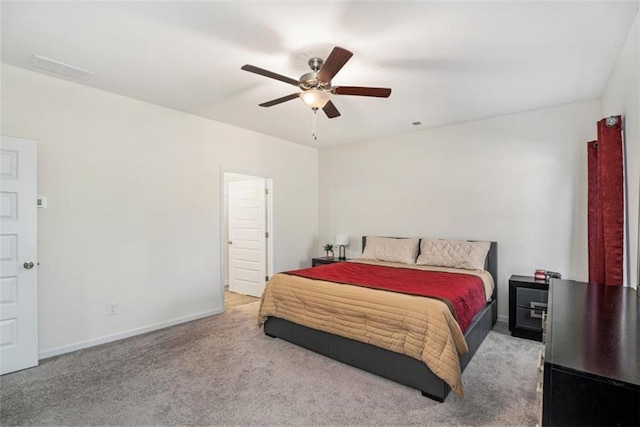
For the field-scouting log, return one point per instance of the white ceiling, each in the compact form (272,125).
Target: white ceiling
(447,62)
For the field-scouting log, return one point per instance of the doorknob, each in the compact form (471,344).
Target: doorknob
(28,265)
(230,242)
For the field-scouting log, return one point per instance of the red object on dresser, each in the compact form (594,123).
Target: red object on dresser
(606,205)
(463,293)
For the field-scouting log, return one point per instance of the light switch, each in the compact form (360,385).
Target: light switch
(41,202)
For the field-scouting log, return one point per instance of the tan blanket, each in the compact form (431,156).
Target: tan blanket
(422,328)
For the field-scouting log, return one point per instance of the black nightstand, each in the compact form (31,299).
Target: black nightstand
(324,260)
(527,305)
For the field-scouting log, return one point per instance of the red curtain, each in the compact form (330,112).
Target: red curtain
(606,204)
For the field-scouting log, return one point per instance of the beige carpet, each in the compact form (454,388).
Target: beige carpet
(222,370)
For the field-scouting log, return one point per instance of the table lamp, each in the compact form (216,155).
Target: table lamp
(342,240)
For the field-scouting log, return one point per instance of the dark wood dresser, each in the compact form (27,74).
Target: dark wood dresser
(591,357)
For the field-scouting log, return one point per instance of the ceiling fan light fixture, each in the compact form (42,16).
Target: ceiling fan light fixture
(314,98)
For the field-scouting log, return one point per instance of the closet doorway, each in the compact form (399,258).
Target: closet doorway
(246,234)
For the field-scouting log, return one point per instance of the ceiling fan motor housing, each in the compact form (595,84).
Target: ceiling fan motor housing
(310,80)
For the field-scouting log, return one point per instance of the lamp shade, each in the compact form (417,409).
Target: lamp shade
(315,98)
(342,239)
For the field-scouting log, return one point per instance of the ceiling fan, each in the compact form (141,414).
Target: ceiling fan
(316,85)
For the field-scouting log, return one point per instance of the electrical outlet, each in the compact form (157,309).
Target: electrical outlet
(112,309)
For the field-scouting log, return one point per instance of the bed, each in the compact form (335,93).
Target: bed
(324,332)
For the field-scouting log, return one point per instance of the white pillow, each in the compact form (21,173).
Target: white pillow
(390,249)
(453,253)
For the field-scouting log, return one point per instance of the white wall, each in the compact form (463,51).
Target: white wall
(519,180)
(133,211)
(622,96)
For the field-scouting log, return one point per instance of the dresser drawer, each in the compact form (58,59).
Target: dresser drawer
(529,318)
(531,298)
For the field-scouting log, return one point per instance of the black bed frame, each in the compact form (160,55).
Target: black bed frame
(395,366)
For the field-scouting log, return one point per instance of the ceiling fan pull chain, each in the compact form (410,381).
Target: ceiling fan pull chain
(313,125)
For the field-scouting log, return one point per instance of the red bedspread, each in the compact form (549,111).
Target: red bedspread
(463,293)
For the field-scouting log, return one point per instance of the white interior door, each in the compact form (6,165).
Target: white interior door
(18,264)
(247,236)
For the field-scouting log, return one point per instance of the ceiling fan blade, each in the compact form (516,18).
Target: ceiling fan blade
(380,92)
(271,74)
(335,61)
(280,100)
(330,110)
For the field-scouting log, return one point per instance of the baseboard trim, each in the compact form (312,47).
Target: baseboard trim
(125,334)
(503,318)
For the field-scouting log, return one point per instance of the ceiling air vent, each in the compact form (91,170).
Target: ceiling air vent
(61,68)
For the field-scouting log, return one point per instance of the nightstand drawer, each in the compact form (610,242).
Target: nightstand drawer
(531,298)
(324,260)
(529,318)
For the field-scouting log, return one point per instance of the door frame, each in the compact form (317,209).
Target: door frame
(224,223)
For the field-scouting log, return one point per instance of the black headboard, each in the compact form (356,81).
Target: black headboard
(490,263)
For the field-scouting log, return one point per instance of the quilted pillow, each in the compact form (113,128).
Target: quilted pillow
(453,253)
(390,249)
